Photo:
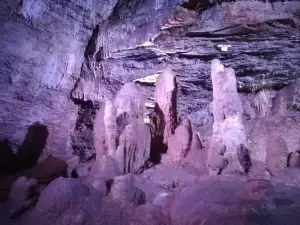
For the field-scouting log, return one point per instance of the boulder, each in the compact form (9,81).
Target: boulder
(97,183)
(44,172)
(157,136)
(21,194)
(123,188)
(166,102)
(179,143)
(228,128)
(61,198)
(82,169)
(168,177)
(69,201)
(236,200)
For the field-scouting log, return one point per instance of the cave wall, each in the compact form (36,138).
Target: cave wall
(42,49)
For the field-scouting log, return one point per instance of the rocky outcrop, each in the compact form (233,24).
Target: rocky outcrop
(166,103)
(229,138)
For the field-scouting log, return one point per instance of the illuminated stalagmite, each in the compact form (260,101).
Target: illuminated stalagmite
(228,144)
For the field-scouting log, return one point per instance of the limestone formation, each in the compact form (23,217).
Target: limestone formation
(129,103)
(157,132)
(166,102)
(277,153)
(236,200)
(106,167)
(197,154)
(123,188)
(228,128)
(120,132)
(179,143)
(196,143)
(105,130)
(134,147)
(294,159)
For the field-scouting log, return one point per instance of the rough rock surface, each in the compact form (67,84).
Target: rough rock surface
(122,188)
(294,159)
(44,172)
(277,153)
(180,142)
(68,201)
(236,200)
(166,102)
(120,131)
(21,194)
(134,148)
(96,48)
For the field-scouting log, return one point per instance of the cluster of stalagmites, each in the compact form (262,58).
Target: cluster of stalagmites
(165,152)
(125,144)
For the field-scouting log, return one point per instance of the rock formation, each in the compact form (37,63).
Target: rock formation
(134,147)
(277,153)
(120,132)
(65,63)
(166,102)
(294,159)
(21,194)
(229,137)
(123,188)
(249,201)
(180,142)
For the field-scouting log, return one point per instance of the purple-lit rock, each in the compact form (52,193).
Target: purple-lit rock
(166,102)
(228,130)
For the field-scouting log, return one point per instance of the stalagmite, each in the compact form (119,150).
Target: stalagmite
(120,132)
(228,145)
(166,102)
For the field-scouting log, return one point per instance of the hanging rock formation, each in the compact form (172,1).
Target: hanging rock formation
(228,141)
(166,102)
(120,132)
